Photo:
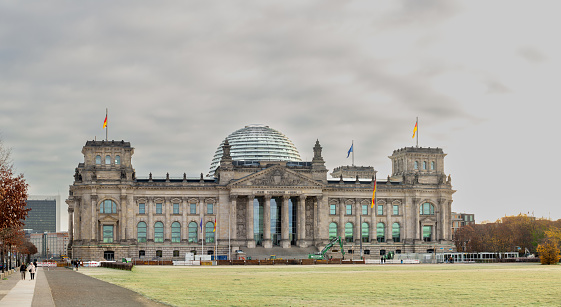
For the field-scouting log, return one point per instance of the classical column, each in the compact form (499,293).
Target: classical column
(150,224)
(249,222)
(267,243)
(389,211)
(131,218)
(78,229)
(233,217)
(301,224)
(341,227)
(94,223)
(70,223)
(358,219)
(167,222)
(123,217)
(318,232)
(285,238)
(201,218)
(184,225)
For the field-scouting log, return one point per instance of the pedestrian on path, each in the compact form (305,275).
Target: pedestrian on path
(22,270)
(31,269)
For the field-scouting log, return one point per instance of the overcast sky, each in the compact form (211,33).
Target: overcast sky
(178,77)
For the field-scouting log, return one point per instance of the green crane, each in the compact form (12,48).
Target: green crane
(321,255)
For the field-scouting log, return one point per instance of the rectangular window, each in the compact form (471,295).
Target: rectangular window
(107,233)
(395,210)
(364,209)
(380,210)
(332,210)
(209,209)
(158,208)
(192,208)
(141,209)
(175,208)
(349,210)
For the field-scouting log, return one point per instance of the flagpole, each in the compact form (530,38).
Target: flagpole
(106,127)
(417,124)
(203,241)
(353,146)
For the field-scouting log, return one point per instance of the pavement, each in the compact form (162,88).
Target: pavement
(63,287)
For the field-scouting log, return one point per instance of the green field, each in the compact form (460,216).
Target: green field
(339,285)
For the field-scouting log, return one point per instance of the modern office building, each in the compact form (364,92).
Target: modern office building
(50,244)
(44,215)
(256,199)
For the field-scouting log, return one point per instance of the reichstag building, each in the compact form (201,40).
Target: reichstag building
(259,194)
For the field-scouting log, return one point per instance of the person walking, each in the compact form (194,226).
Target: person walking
(32,269)
(22,270)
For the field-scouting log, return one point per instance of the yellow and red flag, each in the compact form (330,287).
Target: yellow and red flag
(414,130)
(105,122)
(374,194)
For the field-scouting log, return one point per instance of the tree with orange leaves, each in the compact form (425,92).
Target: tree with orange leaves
(13,196)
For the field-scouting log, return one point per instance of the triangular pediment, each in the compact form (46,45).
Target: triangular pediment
(108,218)
(276,176)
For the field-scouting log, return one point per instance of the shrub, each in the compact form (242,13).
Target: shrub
(549,252)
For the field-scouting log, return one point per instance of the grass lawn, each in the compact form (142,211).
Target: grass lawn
(338,285)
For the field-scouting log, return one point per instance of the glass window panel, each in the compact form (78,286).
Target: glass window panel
(432,165)
(364,209)
(193,209)
(142,208)
(209,209)
(427,233)
(97,159)
(380,232)
(141,232)
(332,210)
(175,208)
(380,210)
(416,165)
(117,160)
(175,232)
(395,209)
(159,232)
(209,234)
(193,232)
(108,160)
(107,233)
(365,232)
(332,231)
(349,232)
(349,210)
(158,208)
(396,233)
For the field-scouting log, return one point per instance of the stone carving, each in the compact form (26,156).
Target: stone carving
(309,218)
(77,176)
(123,174)
(278,178)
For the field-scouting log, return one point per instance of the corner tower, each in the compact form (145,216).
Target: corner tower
(418,165)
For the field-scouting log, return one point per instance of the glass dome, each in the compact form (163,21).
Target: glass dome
(257,143)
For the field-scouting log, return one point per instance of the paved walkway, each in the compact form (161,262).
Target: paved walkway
(63,287)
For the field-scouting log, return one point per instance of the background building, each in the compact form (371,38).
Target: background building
(287,206)
(50,244)
(44,215)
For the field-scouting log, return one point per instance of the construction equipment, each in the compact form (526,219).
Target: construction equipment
(321,255)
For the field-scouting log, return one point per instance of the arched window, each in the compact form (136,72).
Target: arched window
(108,206)
(159,232)
(98,159)
(365,232)
(117,160)
(416,165)
(175,232)
(424,164)
(193,232)
(141,232)
(209,232)
(396,233)
(432,165)
(332,231)
(380,232)
(107,159)
(349,232)
(426,209)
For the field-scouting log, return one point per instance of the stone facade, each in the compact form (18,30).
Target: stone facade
(259,204)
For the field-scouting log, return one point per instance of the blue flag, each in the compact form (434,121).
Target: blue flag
(350,150)
(201,224)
